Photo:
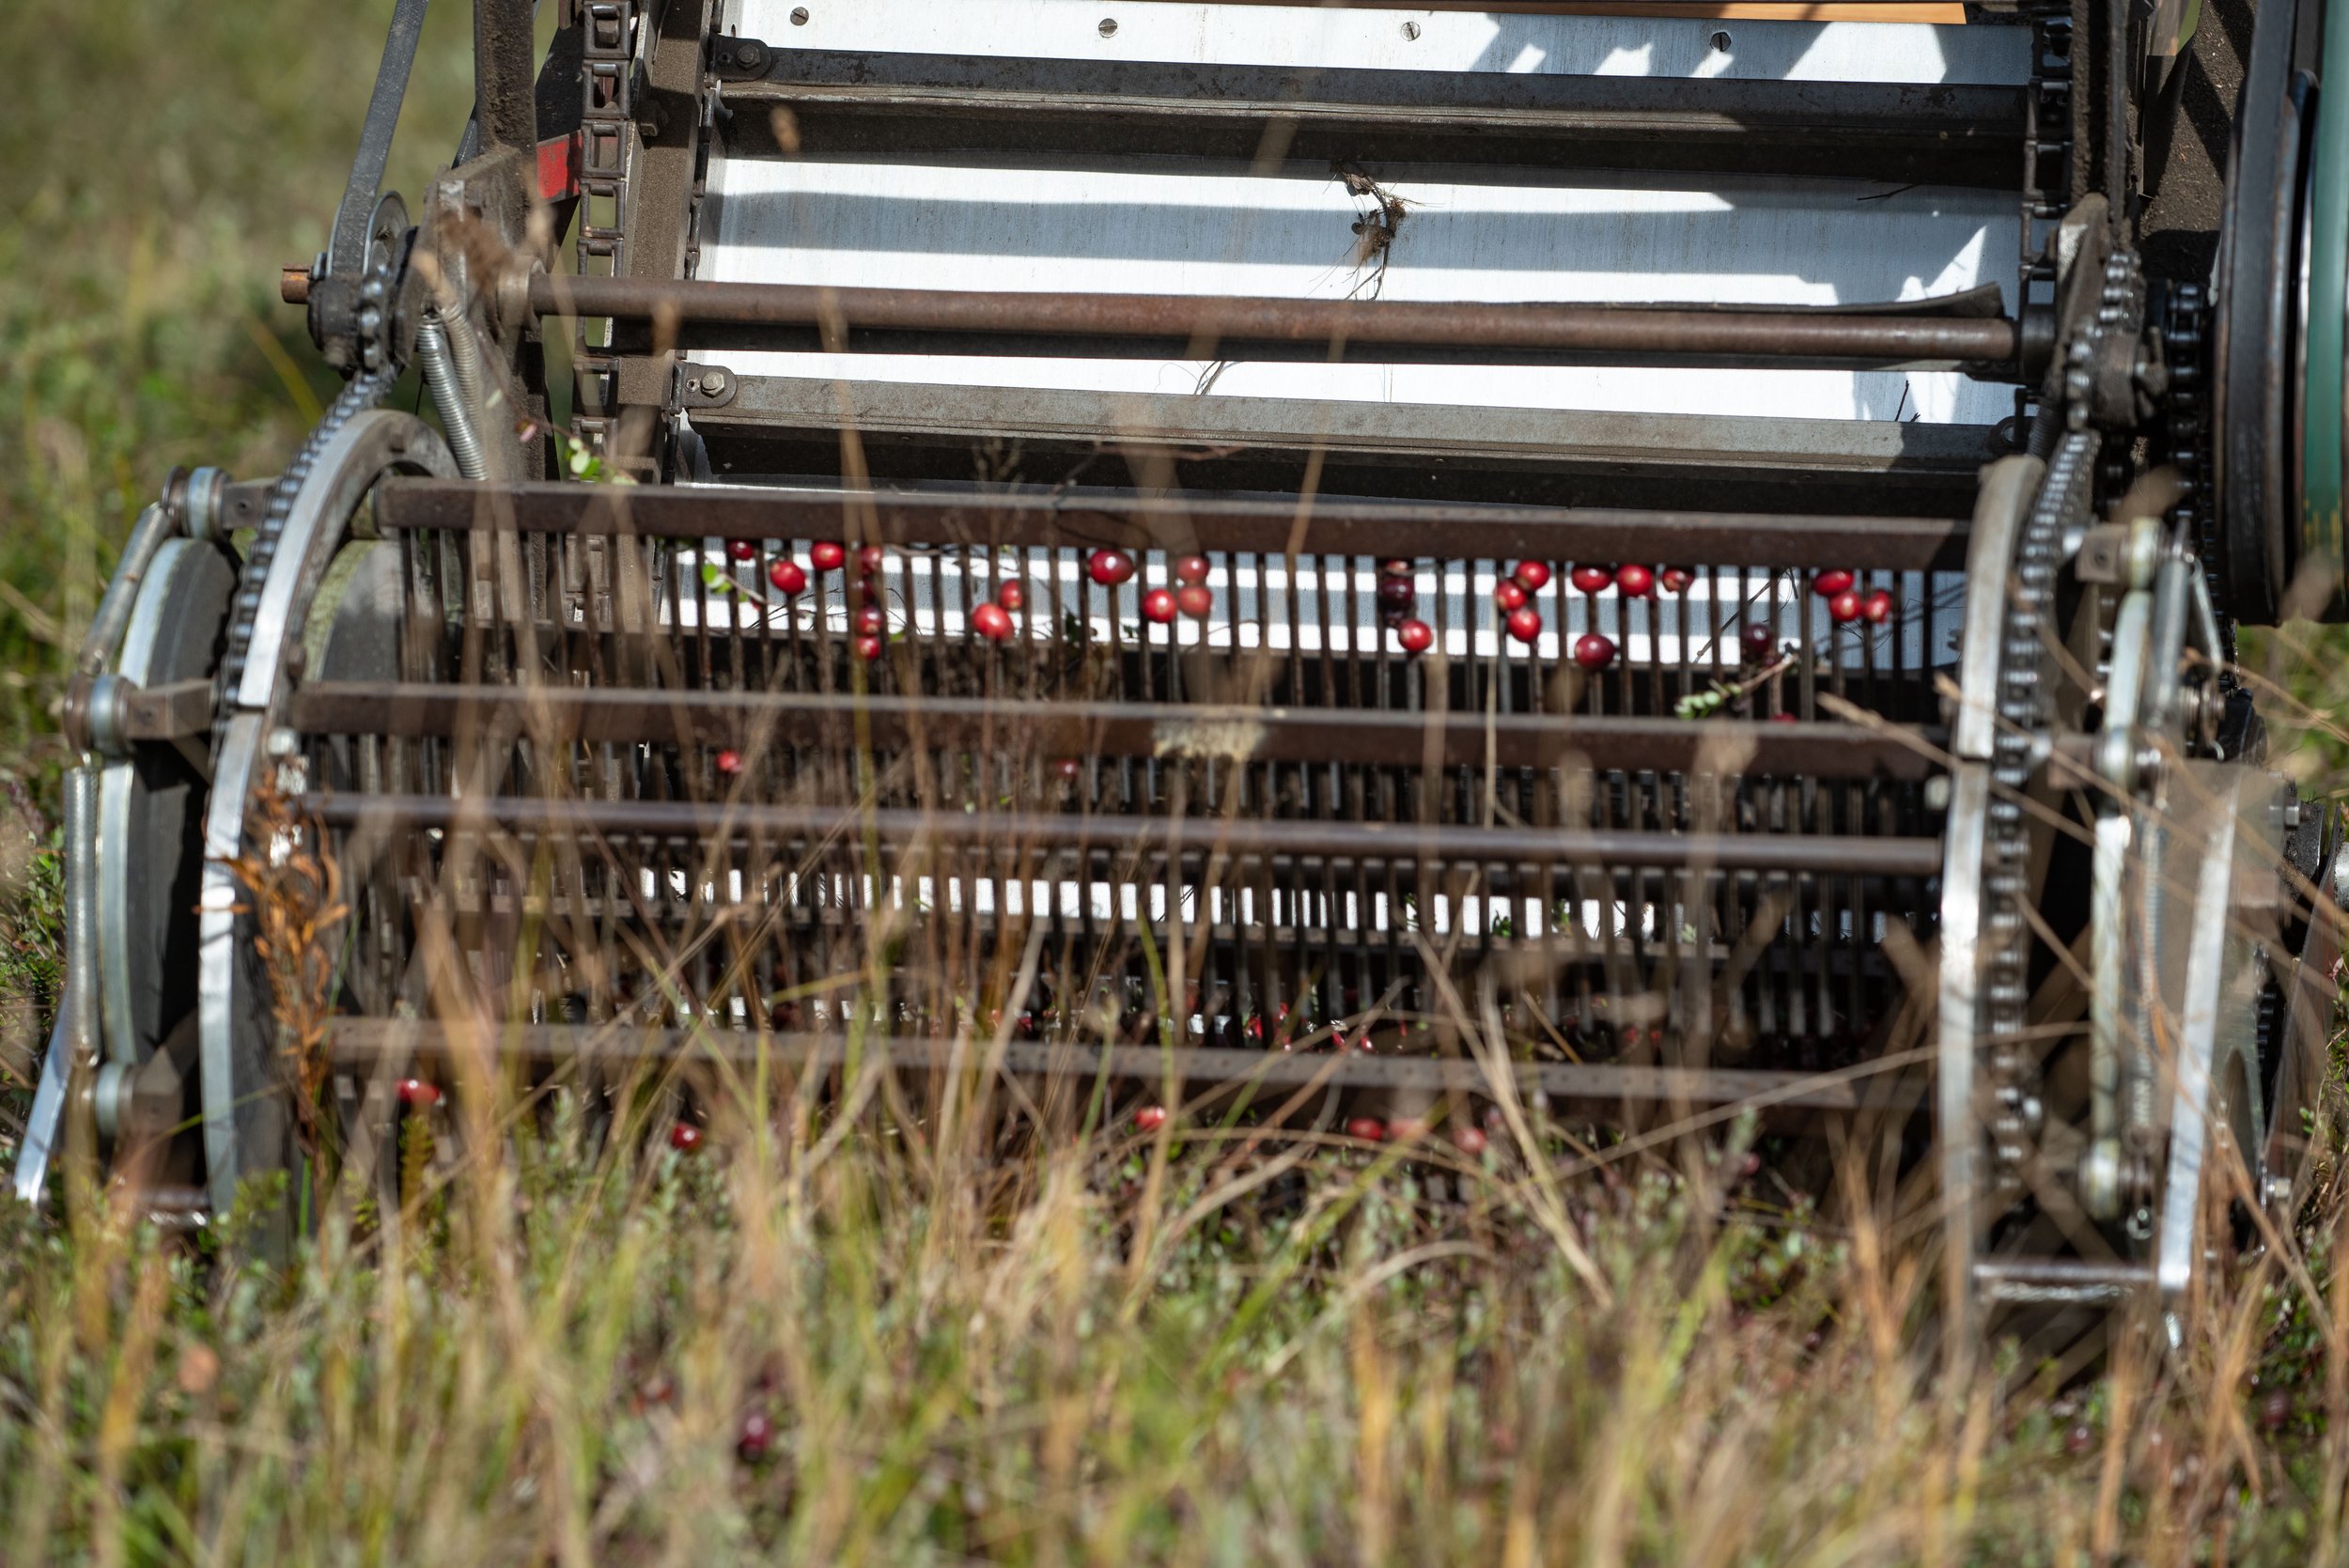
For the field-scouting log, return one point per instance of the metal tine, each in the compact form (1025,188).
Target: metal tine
(1150,561)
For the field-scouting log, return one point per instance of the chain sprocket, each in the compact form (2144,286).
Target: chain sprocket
(2028,673)
(380,368)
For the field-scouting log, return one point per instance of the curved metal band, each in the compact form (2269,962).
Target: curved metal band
(244,1115)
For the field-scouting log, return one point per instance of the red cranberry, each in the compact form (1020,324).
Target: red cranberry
(2276,1411)
(1592,580)
(871,621)
(1843,606)
(1011,594)
(1676,578)
(1415,636)
(1158,605)
(1398,568)
(1760,639)
(788,576)
(992,622)
(1785,719)
(1876,608)
(1533,576)
(1150,1118)
(1108,567)
(1068,769)
(685,1137)
(827,555)
(1509,594)
(1593,651)
(1195,600)
(418,1094)
(1370,1129)
(1469,1138)
(757,1436)
(1829,584)
(743,550)
(1190,568)
(1635,581)
(869,648)
(1525,626)
(1397,593)
(729,762)
(869,559)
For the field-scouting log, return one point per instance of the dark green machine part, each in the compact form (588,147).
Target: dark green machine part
(2326,254)
(2281,277)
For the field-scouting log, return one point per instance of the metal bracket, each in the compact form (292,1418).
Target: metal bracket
(741,59)
(121,712)
(708,386)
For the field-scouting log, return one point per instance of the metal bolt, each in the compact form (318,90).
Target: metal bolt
(799,16)
(750,52)
(1411,30)
(1109,27)
(713,382)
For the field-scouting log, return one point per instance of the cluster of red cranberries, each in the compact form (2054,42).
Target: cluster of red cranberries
(993,619)
(1515,597)
(1398,599)
(869,624)
(1191,597)
(1846,603)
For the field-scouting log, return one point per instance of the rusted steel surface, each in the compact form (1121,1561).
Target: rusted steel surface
(363,1042)
(1058,518)
(934,322)
(869,102)
(914,432)
(1374,737)
(1013,835)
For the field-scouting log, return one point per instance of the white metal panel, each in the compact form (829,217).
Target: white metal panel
(1596,237)
(917,225)
(1398,39)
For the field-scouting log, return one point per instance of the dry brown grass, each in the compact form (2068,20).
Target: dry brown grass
(824,1338)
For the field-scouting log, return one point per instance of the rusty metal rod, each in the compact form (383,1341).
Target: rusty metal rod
(1013,835)
(1455,530)
(1208,327)
(2054,1281)
(553,715)
(362,1043)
